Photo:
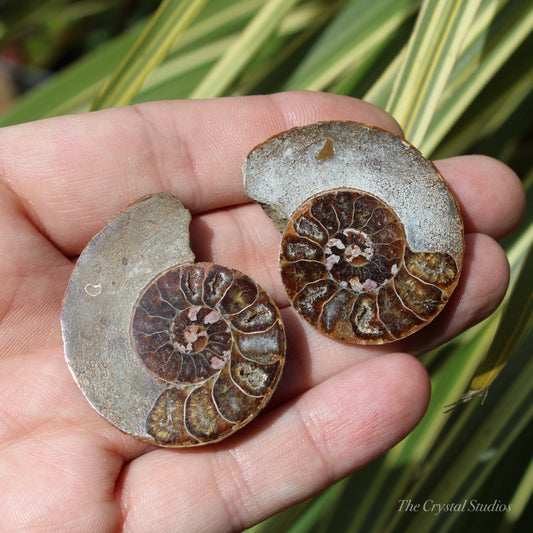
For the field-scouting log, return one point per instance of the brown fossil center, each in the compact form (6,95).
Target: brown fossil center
(186,346)
(350,245)
(349,271)
(189,334)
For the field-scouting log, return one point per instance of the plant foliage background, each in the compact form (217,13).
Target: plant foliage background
(457,75)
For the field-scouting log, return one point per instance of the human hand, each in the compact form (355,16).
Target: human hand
(338,406)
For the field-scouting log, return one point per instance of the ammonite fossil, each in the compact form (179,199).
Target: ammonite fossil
(373,239)
(170,351)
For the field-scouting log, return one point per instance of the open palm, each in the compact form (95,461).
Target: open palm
(63,467)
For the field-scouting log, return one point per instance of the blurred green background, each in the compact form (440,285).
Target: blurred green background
(40,38)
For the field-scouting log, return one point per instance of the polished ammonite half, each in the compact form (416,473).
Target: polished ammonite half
(372,237)
(173,352)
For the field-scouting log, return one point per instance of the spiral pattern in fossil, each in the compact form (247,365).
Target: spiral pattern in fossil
(216,338)
(349,271)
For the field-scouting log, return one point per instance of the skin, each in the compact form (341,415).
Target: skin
(338,407)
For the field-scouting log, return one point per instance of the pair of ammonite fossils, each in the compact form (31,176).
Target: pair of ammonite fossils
(179,353)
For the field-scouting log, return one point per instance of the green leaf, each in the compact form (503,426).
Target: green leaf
(298,29)
(351,43)
(498,32)
(519,501)
(167,24)
(473,459)
(516,321)
(71,90)
(429,60)
(501,106)
(201,45)
(232,63)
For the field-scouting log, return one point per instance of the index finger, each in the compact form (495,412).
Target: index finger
(72,174)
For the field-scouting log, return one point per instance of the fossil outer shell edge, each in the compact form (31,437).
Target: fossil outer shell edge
(172,352)
(373,239)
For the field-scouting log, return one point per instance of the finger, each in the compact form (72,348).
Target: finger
(253,248)
(76,172)
(243,238)
(490,194)
(286,456)
(491,197)
(312,357)
(481,289)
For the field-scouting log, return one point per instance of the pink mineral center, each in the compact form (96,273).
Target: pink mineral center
(359,248)
(195,339)
(193,332)
(369,285)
